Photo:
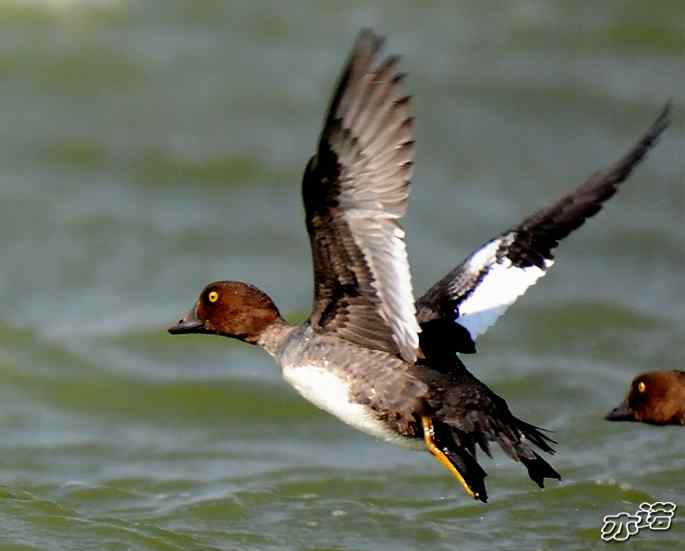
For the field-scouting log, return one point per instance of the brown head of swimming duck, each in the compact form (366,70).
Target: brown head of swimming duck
(657,398)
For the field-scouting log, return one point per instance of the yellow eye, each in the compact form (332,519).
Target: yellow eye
(213,296)
(641,387)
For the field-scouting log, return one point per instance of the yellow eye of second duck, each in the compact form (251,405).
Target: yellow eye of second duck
(213,296)
(641,387)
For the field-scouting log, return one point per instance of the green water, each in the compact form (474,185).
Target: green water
(147,148)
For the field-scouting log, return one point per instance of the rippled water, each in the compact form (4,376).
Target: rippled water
(149,147)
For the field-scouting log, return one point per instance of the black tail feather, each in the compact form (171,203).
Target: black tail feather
(470,415)
(539,469)
(516,438)
(536,435)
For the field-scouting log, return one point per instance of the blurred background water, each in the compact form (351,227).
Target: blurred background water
(147,148)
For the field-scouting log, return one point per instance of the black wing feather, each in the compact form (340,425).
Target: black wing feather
(450,306)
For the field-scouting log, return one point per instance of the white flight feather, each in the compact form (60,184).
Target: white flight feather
(381,240)
(499,289)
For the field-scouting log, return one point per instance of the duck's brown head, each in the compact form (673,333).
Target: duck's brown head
(229,308)
(657,397)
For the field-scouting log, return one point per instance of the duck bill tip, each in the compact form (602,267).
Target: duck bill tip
(187,325)
(620,413)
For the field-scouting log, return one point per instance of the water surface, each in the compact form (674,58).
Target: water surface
(147,148)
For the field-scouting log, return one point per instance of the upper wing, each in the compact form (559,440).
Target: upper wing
(470,298)
(355,190)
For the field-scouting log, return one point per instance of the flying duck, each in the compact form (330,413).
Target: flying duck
(369,353)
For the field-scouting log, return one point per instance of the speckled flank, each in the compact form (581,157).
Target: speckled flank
(330,392)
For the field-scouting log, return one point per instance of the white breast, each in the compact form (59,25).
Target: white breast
(327,391)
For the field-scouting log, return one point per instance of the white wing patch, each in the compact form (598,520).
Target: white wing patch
(498,289)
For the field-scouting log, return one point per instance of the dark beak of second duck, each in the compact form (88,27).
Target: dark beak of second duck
(620,413)
(188,324)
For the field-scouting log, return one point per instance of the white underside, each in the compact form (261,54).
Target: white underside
(331,393)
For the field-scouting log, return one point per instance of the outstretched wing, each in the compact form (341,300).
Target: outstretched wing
(470,298)
(355,190)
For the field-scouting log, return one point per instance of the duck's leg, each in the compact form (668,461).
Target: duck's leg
(444,460)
